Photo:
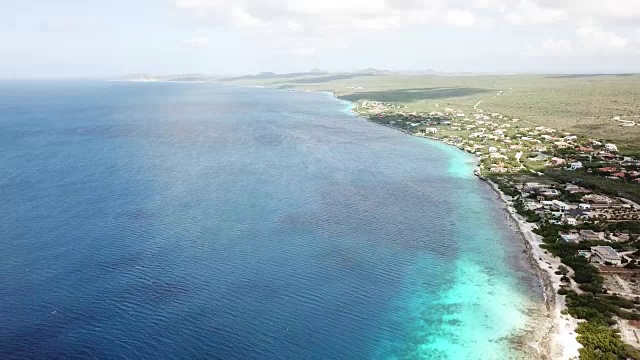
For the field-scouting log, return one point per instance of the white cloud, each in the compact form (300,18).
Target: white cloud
(241,18)
(197,41)
(528,12)
(589,26)
(611,12)
(314,17)
(595,39)
(589,41)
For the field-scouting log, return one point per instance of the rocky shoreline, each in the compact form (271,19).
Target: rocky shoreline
(555,334)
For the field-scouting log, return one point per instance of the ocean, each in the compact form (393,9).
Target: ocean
(185,221)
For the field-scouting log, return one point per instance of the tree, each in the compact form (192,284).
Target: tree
(563,270)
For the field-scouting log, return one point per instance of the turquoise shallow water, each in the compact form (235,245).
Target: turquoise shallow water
(192,220)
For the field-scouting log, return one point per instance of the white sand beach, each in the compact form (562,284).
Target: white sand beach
(563,343)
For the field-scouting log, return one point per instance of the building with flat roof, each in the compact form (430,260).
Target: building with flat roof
(548,192)
(559,205)
(590,235)
(570,237)
(605,255)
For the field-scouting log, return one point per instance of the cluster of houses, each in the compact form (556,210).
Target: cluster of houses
(546,201)
(502,145)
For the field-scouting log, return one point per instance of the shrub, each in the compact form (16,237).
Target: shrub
(563,291)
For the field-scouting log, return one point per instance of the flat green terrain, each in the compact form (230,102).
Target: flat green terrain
(584,104)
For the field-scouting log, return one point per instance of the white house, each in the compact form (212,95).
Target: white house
(575,165)
(546,204)
(571,221)
(430,130)
(559,205)
(611,147)
(493,149)
(584,206)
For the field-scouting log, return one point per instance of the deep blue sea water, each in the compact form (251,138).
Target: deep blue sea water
(184,221)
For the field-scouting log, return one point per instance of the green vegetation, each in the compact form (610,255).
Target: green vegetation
(598,183)
(600,341)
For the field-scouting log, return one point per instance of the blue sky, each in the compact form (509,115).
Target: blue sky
(67,38)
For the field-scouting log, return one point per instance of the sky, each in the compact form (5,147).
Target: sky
(91,38)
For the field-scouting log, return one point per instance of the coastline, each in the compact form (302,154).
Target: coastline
(559,331)
(554,336)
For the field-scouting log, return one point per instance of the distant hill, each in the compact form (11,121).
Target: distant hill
(374,71)
(271,75)
(171,77)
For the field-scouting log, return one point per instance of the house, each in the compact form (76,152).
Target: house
(548,192)
(532,205)
(589,235)
(571,221)
(546,204)
(575,166)
(611,147)
(574,189)
(570,237)
(606,255)
(575,213)
(608,169)
(557,161)
(561,145)
(559,205)
(597,199)
(622,237)
(430,130)
(620,175)
(493,149)
(584,206)
(532,186)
